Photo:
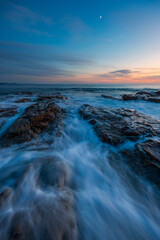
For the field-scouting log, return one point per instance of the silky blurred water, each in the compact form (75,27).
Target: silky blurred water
(108,202)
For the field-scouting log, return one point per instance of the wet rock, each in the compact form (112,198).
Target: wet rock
(25,93)
(21,227)
(150,152)
(48,213)
(154,99)
(4,195)
(52,97)
(108,97)
(129,97)
(114,126)
(151,94)
(35,119)
(144,160)
(23,100)
(53,172)
(8,112)
(42,98)
(54,217)
(143,95)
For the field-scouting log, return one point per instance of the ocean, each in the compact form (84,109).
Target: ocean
(106,202)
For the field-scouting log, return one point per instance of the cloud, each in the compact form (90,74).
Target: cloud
(122,71)
(25,20)
(118,73)
(39,60)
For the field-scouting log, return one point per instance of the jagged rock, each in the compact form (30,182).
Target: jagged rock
(129,97)
(154,99)
(4,195)
(8,112)
(25,93)
(108,97)
(50,97)
(23,100)
(49,214)
(144,160)
(114,126)
(53,172)
(143,95)
(151,94)
(49,218)
(33,121)
(150,152)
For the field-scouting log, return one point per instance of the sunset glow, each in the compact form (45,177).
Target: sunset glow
(63,42)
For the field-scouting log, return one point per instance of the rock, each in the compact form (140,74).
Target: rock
(114,126)
(4,195)
(50,97)
(46,219)
(8,112)
(49,213)
(42,98)
(36,118)
(154,99)
(53,172)
(23,100)
(20,227)
(143,95)
(129,97)
(144,160)
(25,93)
(150,152)
(108,97)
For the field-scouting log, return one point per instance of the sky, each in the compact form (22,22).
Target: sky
(73,41)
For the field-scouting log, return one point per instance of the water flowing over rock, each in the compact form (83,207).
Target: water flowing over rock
(129,97)
(8,112)
(52,97)
(144,160)
(143,95)
(83,173)
(49,212)
(33,121)
(114,126)
(23,100)
(108,97)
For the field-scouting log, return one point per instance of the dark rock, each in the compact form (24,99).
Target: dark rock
(53,172)
(48,214)
(8,112)
(129,97)
(50,97)
(33,121)
(114,126)
(150,152)
(4,195)
(144,160)
(25,93)
(21,227)
(23,100)
(42,98)
(154,99)
(143,95)
(108,97)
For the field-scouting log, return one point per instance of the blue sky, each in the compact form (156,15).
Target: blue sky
(67,41)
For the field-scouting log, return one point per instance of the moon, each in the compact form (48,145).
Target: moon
(100,17)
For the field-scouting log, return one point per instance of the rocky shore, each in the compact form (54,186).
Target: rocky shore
(143,95)
(115,126)
(41,190)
